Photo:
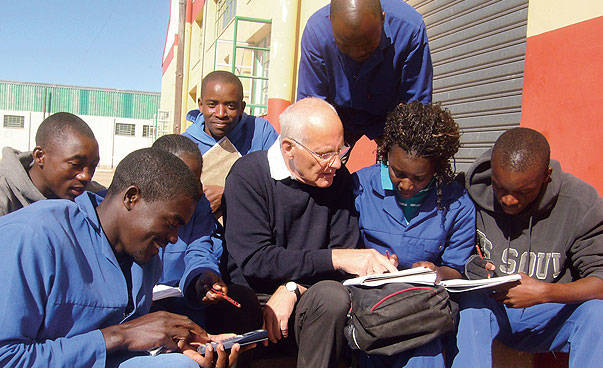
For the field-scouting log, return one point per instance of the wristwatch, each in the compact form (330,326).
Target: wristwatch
(292,287)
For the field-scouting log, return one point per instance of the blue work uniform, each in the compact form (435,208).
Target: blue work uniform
(399,70)
(62,283)
(250,134)
(198,250)
(194,250)
(443,237)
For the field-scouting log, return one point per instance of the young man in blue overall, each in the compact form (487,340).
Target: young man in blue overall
(79,274)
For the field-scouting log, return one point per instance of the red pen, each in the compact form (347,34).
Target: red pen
(228,299)
(479,252)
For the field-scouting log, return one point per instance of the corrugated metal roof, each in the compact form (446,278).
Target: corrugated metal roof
(23,96)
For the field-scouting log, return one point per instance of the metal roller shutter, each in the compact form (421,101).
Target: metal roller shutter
(478,51)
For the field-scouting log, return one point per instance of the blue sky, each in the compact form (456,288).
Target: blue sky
(102,43)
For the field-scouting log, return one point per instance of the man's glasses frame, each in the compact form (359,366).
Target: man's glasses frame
(327,157)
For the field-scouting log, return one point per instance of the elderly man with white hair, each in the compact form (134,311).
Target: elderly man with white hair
(292,233)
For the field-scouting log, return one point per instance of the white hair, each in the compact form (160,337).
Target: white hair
(295,117)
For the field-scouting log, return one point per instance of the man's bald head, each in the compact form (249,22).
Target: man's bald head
(357,27)
(520,149)
(312,141)
(355,9)
(307,114)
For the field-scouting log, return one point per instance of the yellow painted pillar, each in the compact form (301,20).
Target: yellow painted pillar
(282,59)
(187,63)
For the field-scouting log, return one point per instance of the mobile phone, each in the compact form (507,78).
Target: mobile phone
(245,339)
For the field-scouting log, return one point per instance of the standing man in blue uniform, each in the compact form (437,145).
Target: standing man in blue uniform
(547,225)
(221,115)
(365,57)
(78,276)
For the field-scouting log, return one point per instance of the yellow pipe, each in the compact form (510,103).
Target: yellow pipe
(187,63)
(282,49)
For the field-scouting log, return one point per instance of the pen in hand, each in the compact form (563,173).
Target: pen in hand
(479,252)
(226,297)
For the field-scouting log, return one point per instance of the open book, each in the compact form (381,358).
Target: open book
(425,276)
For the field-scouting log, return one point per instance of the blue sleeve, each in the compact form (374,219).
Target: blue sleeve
(201,254)
(312,79)
(357,190)
(270,135)
(417,74)
(461,239)
(27,280)
(199,258)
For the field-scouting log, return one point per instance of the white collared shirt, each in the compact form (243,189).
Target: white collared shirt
(276,162)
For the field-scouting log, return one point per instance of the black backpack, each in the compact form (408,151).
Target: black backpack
(396,317)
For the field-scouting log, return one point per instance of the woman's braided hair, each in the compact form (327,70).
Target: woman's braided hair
(427,131)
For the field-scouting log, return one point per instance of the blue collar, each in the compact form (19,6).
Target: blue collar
(383,186)
(386,181)
(88,202)
(197,130)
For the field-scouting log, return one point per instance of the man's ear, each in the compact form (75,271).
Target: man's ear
(287,148)
(39,156)
(243,105)
(131,197)
(547,177)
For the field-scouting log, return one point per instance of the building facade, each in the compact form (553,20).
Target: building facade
(496,66)
(122,121)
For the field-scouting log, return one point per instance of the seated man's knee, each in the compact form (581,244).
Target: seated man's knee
(179,361)
(590,313)
(176,360)
(329,297)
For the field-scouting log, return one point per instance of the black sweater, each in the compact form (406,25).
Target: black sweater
(279,231)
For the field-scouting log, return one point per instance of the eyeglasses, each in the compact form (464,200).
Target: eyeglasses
(327,157)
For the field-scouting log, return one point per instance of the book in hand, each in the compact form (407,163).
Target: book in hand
(416,275)
(425,276)
(165,291)
(217,162)
(245,339)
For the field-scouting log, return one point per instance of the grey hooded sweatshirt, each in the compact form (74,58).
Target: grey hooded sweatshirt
(558,238)
(16,188)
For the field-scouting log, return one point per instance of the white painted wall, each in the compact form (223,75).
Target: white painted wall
(112,148)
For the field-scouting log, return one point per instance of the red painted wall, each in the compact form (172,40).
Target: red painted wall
(563,96)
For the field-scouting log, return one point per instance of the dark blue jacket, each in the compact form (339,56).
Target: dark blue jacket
(399,70)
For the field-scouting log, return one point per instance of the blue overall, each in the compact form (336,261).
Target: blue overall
(539,328)
(445,238)
(399,70)
(62,283)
